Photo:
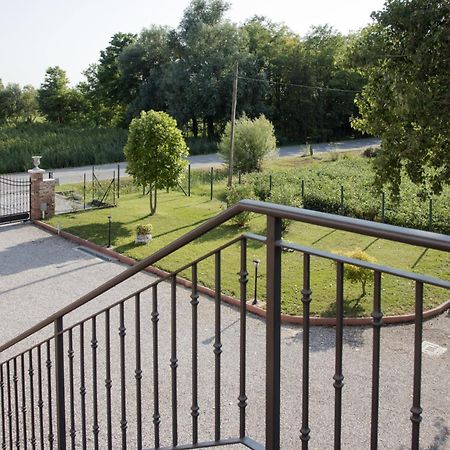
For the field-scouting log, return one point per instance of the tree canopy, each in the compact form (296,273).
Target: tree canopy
(405,57)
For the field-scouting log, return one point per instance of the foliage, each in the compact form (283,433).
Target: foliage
(405,58)
(155,152)
(59,145)
(357,274)
(144,229)
(254,140)
(286,195)
(236,193)
(17,105)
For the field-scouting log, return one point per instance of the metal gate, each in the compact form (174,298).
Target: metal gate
(15,198)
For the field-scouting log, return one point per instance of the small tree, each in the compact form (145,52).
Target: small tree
(356,274)
(254,140)
(156,152)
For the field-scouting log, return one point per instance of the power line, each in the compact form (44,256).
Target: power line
(304,86)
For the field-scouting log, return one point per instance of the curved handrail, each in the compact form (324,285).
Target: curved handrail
(365,227)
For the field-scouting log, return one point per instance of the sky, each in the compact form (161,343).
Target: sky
(37,34)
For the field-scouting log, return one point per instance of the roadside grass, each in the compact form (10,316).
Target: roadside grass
(178,214)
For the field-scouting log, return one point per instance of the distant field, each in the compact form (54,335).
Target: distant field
(60,146)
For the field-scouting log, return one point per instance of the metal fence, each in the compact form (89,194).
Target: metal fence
(15,198)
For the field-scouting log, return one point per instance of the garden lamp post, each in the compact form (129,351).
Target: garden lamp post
(256,264)
(109,231)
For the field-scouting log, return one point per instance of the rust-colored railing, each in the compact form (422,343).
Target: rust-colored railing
(40,407)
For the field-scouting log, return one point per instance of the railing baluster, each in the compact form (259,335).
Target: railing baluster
(155,319)
(416,410)
(32,415)
(338,377)
(243,279)
(306,300)
(123,389)
(108,381)
(138,371)
(217,344)
(24,401)
(40,399)
(59,384)
(82,390)
(70,355)
(273,333)
(173,359)
(51,436)
(16,402)
(2,401)
(377,322)
(10,413)
(94,346)
(194,408)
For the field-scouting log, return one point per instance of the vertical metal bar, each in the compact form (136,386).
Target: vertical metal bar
(3,412)
(24,401)
(217,344)
(306,300)
(32,416)
(138,371)
(59,384)
(70,355)
(342,200)
(189,180)
(338,377)
(270,183)
(108,381)
(114,187)
(212,183)
(84,191)
(10,413)
(51,436)
(194,407)
(243,279)
(41,400)
(303,188)
(239,177)
(82,390)
(377,322)
(16,402)
(155,319)
(94,346)
(118,180)
(93,185)
(173,359)
(430,215)
(416,410)
(123,388)
(382,207)
(273,333)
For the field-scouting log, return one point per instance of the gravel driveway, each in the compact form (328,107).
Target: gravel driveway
(41,273)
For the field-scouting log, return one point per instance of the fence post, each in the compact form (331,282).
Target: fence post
(270,183)
(342,200)
(212,182)
(382,206)
(239,177)
(430,215)
(93,185)
(84,190)
(189,180)
(59,385)
(303,188)
(114,188)
(118,180)
(273,333)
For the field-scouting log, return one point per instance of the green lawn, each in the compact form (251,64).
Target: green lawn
(178,214)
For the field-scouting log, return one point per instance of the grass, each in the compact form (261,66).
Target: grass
(178,214)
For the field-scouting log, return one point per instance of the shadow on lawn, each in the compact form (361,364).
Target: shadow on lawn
(98,232)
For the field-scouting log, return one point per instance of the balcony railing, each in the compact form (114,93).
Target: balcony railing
(53,394)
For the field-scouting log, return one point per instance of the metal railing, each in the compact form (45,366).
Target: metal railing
(41,409)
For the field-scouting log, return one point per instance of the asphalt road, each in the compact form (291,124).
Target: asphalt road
(41,273)
(105,171)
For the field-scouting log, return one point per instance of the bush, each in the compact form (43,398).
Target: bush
(144,229)
(236,193)
(254,140)
(285,195)
(356,274)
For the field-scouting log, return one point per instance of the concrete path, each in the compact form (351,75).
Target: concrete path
(41,273)
(105,171)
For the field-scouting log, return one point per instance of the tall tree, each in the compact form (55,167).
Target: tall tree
(405,56)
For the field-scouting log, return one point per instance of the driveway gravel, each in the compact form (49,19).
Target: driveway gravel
(40,273)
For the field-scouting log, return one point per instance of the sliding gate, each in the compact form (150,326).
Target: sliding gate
(15,195)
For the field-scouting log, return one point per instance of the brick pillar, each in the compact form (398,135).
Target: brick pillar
(42,195)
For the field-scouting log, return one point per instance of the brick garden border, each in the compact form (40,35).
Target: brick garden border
(258,311)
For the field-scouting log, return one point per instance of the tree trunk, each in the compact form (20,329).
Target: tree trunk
(153,194)
(195,127)
(210,127)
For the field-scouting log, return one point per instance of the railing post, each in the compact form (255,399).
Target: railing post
(59,384)
(273,325)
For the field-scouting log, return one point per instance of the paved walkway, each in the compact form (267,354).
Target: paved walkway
(41,273)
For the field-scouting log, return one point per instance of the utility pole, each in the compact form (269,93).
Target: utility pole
(233,120)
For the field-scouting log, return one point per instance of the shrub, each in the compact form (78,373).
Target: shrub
(356,274)
(236,193)
(254,140)
(285,195)
(144,229)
